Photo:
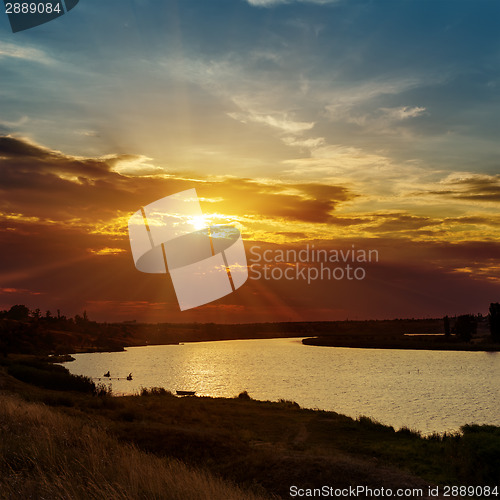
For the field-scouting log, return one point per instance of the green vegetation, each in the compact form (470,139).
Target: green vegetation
(263,447)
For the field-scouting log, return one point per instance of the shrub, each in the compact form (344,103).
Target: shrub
(370,423)
(289,404)
(51,377)
(480,454)
(406,431)
(154,391)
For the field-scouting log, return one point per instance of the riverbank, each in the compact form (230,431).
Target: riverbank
(261,447)
(424,342)
(61,336)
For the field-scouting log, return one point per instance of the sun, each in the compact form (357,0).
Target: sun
(199,222)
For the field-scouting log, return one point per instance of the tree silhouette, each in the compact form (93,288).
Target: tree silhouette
(446,321)
(18,312)
(495,321)
(466,327)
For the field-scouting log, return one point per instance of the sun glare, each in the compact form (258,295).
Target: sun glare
(199,222)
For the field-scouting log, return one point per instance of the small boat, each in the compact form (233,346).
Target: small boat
(129,376)
(107,374)
(185,393)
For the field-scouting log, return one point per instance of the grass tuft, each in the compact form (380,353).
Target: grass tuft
(45,454)
(154,391)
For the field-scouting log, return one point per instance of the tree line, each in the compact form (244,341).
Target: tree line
(30,331)
(465,325)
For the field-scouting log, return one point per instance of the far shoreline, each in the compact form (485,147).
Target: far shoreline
(359,341)
(403,344)
(28,333)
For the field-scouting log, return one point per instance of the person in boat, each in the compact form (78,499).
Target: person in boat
(129,376)
(107,374)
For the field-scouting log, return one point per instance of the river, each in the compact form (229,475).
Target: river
(429,391)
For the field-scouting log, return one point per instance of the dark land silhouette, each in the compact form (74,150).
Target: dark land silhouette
(466,332)
(34,332)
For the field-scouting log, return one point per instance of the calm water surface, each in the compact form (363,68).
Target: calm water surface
(432,391)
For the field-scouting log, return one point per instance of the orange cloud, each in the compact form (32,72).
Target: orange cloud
(63,222)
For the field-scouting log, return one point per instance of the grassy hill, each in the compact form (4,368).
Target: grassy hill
(84,436)
(47,454)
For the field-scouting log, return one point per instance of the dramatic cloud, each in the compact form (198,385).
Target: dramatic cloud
(97,195)
(476,188)
(51,186)
(479,188)
(63,234)
(333,122)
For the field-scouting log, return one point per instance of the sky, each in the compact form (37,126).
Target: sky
(334,123)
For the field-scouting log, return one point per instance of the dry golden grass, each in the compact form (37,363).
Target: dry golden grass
(46,454)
